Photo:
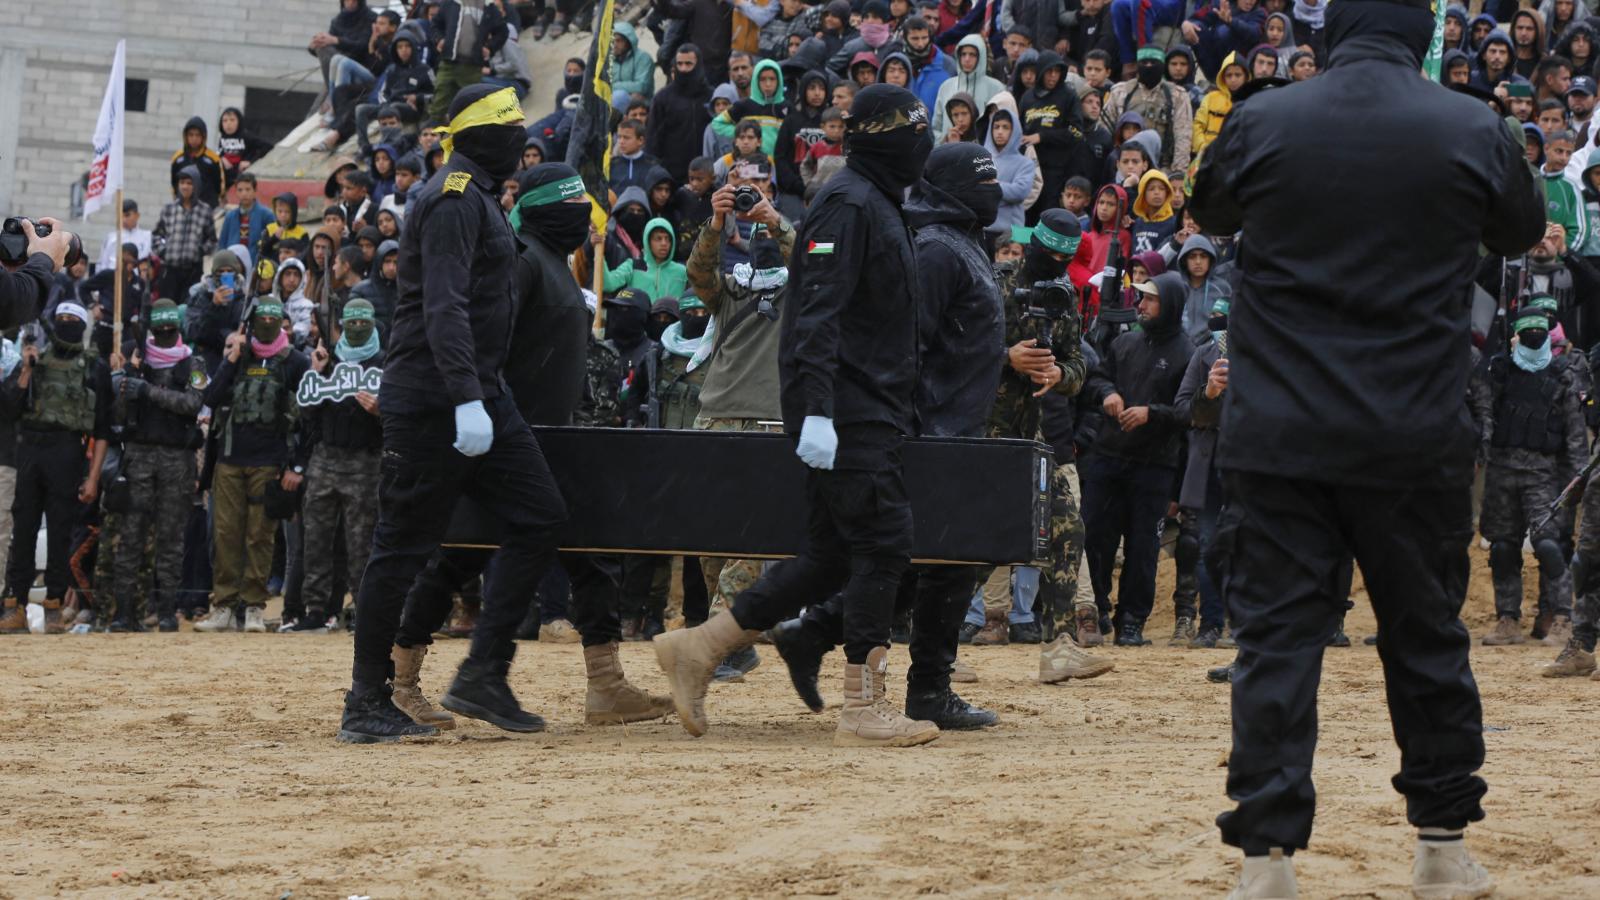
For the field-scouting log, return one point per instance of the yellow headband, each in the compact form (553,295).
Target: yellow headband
(498,108)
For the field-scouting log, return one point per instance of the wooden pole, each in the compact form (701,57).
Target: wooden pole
(597,261)
(116,303)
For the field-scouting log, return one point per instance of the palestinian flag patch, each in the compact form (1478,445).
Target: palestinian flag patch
(819,248)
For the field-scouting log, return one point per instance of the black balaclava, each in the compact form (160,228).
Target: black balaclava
(693,326)
(563,227)
(69,336)
(666,306)
(573,83)
(1152,66)
(625,320)
(764,252)
(1408,22)
(497,149)
(961,170)
(1038,263)
(632,219)
(887,137)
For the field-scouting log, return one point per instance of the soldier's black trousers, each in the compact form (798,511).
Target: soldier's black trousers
(858,540)
(1279,550)
(595,593)
(50,468)
(937,598)
(420,479)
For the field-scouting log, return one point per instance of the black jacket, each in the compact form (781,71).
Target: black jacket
(678,120)
(1345,338)
(801,128)
(709,26)
(961,326)
(23,292)
(1053,116)
(452,324)
(1146,367)
(848,349)
(547,367)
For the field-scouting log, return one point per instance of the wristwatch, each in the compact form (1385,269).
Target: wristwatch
(298,470)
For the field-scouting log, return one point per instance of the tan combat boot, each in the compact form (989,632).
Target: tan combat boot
(1506,631)
(1445,870)
(53,623)
(220,619)
(611,700)
(1089,626)
(961,673)
(689,656)
(868,719)
(1574,662)
(1063,659)
(15,619)
(407,690)
(1269,877)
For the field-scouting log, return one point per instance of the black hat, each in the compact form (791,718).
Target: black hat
(129,206)
(1583,84)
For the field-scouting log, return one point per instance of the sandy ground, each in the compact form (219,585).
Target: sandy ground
(194,765)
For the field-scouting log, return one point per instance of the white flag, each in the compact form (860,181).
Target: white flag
(105,173)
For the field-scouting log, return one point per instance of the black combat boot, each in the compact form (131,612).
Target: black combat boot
(803,654)
(946,709)
(480,691)
(370,717)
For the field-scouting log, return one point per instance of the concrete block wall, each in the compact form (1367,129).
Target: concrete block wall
(198,55)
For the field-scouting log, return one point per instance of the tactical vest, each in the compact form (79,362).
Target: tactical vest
(63,398)
(260,396)
(1528,414)
(678,391)
(148,423)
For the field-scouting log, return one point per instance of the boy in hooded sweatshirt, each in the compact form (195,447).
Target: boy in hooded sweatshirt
(961,116)
(1218,102)
(1195,263)
(655,272)
(290,289)
(286,212)
(765,104)
(972,66)
(1050,123)
(1014,170)
(236,147)
(1153,218)
(713,144)
(632,72)
(209,189)
(1110,244)
(801,129)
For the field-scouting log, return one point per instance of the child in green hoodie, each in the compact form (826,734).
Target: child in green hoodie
(655,272)
(1563,195)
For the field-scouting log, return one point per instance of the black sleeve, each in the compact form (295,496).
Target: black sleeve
(104,401)
(22,293)
(220,391)
(449,244)
(823,285)
(789,180)
(1102,381)
(13,398)
(1194,382)
(1515,219)
(940,277)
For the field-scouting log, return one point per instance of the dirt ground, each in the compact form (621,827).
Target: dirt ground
(205,766)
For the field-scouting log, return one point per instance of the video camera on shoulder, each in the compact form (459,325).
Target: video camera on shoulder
(1045,302)
(14,242)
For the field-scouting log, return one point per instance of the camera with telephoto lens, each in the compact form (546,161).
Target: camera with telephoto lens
(14,242)
(1045,302)
(745,198)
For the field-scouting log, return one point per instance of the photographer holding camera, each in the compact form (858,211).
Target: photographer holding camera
(29,255)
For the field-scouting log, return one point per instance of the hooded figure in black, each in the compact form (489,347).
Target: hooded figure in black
(961,329)
(545,373)
(237,146)
(678,117)
(452,429)
(1348,430)
(801,129)
(1050,110)
(848,362)
(206,161)
(1130,477)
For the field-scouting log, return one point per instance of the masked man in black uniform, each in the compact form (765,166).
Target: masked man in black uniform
(1348,430)
(848,365)
(452,428)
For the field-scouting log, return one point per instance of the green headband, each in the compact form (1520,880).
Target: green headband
(545,194)
(166,315)
(1054,240)
(1544,301)
(1539,321)
(269,308)
(690,302)
(357,311)
(1151,53)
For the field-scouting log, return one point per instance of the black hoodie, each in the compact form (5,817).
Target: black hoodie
(801,128)
(241,146)
(1053,116)
(207,161)
(1145,368)
(403,79)
(353,28)
(678,120)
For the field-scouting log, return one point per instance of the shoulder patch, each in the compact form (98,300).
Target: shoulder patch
(456,182)
(198,380)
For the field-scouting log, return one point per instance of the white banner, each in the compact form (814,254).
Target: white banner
(105,173)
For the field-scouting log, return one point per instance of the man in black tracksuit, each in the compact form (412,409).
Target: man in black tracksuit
(443,379)
(848,362)
(1128,479)
(961,343)
(1347,425)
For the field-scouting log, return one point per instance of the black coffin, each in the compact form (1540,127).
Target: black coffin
(705,493)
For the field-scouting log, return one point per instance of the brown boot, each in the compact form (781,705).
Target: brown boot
(868,718)
(1062,660)
(1089,627)
(1506,631)
(1541,626)
(53,622)
(15,619)
(1574,662)
(407,694)
(465,617)
(689,656)
(1560,632)
(994,634)
(611,700)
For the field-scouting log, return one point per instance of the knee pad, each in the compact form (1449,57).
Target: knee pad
(1552,562)
(1505,557)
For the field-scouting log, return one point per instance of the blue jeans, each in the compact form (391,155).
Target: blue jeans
(1024,588)
(1136,21)
(343,70)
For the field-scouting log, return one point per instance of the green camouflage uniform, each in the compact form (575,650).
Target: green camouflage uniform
(1017,414)
(601,406)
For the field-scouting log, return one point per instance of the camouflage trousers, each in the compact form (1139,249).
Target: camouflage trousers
(341,487)
(727,578)
(148,538)
(1586,569)
(1058,601)
(1513,500)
